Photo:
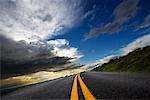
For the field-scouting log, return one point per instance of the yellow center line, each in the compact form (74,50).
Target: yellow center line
(87,94)
(74,92)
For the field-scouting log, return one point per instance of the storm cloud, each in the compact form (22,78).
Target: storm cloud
(26,29)
(126,10)
(22,51)
(19,57)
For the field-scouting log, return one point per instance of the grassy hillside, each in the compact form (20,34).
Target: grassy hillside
(138,60)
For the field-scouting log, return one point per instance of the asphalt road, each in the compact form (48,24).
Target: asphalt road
(56,89)
(118,85)
(101,85)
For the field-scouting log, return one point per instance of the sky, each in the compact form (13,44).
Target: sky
(39,35)
(107,26)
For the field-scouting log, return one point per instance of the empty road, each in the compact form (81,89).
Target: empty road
(88,85)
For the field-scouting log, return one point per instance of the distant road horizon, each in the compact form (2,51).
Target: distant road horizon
(88,85)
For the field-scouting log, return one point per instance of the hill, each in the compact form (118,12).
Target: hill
(136,61)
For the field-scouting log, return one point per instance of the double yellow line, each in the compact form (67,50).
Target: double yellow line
(74,93)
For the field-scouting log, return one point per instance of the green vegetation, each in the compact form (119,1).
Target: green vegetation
(136,61)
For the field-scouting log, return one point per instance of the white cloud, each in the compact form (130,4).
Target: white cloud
(87,14)
(99,62)
(31,20)
(61,48)
(138,43)
(35,20)
(70,52)
(58,42)
(106,59)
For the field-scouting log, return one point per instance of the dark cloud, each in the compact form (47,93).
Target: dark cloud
(121,14)
(19,58)
(21,51)
(11,68)
(27,25)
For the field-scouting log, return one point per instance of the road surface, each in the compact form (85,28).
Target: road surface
(118,85)
(93,85)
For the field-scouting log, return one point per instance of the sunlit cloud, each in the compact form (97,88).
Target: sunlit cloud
(58,42)
(37,77)
(70,52)
(61,49)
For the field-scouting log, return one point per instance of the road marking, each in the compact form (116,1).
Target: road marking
(87,94)
(74,92)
